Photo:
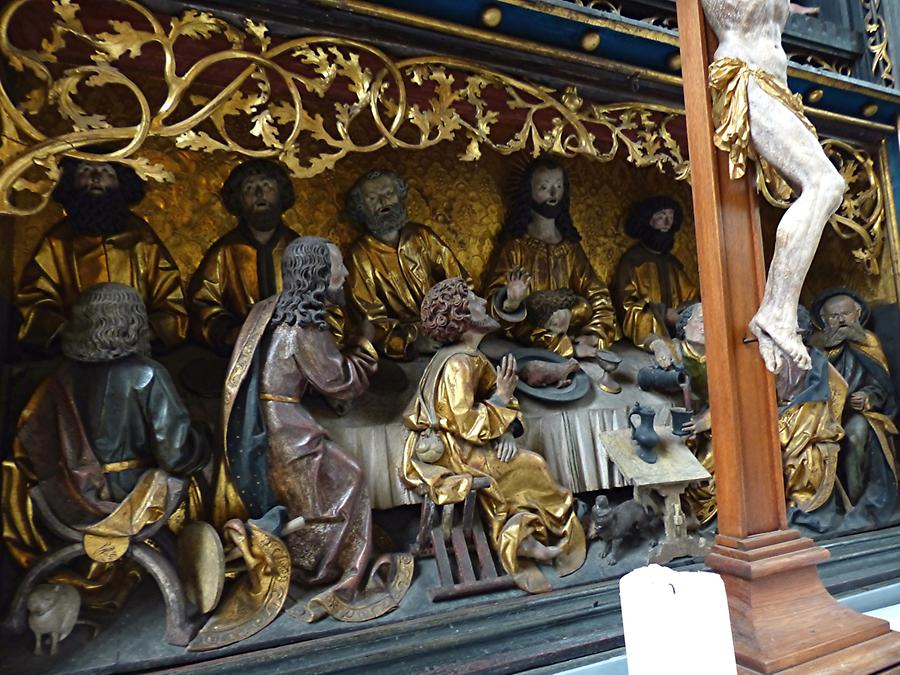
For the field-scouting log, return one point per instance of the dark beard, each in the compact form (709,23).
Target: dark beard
(393,219)
(265,221)
(655,240)
(102,214)
(834,337)
(547,210)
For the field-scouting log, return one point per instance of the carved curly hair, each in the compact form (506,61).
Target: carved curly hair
(231,190)
(305,274)
(542,304)
(445,310)
(108,321)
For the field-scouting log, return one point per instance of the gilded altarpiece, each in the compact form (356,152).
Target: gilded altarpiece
(206,94)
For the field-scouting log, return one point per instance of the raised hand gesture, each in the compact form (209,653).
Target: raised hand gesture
(507,379)
(518,285)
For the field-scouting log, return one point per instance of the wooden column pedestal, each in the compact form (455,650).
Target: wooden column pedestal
(782,617)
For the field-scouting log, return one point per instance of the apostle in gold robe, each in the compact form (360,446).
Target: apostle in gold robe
(100,240)
(471,410)
(651,284)
(394,264)
(810,407)
(102,437)
(867,466)
(244,265)
(539,250)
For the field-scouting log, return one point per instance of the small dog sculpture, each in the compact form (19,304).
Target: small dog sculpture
(53,610)
(616,525)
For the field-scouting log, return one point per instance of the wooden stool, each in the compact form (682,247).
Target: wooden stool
(458,529)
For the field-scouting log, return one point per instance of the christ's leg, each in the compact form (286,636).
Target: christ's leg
(784,141)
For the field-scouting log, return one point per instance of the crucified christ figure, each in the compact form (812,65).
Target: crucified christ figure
(756,116)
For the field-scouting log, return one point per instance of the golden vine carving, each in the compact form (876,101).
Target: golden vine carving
(311,101)
(835,65)
(308,101)
(861,214)
(877,40)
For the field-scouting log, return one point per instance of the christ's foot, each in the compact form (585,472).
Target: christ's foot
(532,548)
(778,341)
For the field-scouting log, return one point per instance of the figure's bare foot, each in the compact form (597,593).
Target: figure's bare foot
(777,341)
(532,548)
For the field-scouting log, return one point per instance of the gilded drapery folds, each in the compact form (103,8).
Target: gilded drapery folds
(387,283)
(810,433)
(646,284)
(555,266)
(66,263)
(728,81)
(523,499)
(234,274)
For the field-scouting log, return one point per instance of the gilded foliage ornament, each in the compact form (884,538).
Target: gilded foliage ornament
(308,101)
(877,41)
(861,214)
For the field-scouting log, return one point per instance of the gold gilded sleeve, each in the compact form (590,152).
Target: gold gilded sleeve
(211,321)
(587,284)
(40,297)
(476,421)
(165,296)
(392,338)
(636,291)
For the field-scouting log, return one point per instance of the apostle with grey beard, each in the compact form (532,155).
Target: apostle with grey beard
(867,469)
(393,265)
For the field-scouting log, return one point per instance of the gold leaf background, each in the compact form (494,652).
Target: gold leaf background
(464,202)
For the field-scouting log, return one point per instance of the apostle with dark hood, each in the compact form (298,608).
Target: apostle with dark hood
(103,437)
(99,240)
(463,425)
(394,264)
(866,465)
(244,265)
(651,284)
(539,250)
(277,457)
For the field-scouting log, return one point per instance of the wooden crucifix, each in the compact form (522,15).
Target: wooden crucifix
(782,616)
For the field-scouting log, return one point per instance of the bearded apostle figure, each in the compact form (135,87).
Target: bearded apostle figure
(867,468)
(651,284)
(394,264)
(243,266)
(758,117)
(539,251)
(100,240)
(277,459)
(471,407)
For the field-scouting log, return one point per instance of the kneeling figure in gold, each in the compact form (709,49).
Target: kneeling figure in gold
(470,407)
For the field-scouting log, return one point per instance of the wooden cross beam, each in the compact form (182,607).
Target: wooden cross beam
(782,616)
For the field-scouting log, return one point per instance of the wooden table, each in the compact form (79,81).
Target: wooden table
(675,468)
